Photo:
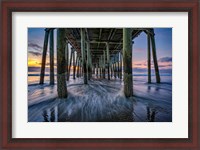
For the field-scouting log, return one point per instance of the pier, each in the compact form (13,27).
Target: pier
(101,52)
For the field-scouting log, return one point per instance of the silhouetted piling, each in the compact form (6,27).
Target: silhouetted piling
(74,65)
(104,62)
(67,60)
(120,75)
(88,61)
(61,64)
(70,63)
(77,66)
(155,57)
(118,66)
(97,70)
(127,59)
(51,56)
(100,73)
(149,58)
(111,70)
(108,59)
(44,56)
(83,55)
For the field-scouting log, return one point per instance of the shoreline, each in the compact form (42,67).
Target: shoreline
(100,99)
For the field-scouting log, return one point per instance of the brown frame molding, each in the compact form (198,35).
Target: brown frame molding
(9,6)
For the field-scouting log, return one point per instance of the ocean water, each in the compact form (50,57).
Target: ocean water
(101,100)
(34,77)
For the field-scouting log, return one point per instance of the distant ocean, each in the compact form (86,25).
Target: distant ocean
(34,77)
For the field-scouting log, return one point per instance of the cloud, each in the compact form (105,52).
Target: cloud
(33,69)
(138,64)
(47,63)
(165,65)
(35,53)
(35,46)
(165,59)
(38,69)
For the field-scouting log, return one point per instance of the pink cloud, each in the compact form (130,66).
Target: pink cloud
(163,63)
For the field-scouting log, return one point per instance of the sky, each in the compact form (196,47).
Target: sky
(163,39)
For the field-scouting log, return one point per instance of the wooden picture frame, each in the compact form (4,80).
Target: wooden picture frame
(190,6)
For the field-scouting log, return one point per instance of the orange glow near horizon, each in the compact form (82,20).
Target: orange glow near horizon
(34,63)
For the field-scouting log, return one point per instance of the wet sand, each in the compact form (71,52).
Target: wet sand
(101,101)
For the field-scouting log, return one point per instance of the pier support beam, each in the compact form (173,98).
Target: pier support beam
(127,59)
(155,57)
(74,65)
(67,60)
(61,82)
(83,55)
(94,68)
(100,66)
(77,66)
(70,63)
(44,54)
(149,58)
(108,59)
(97,70)
(111,69)
(114,67)
(80,70)
(51,57)
(118,65)
(104,62)
(120,75)
(89,65)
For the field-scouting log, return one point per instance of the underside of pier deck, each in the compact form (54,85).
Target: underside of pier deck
(106,52)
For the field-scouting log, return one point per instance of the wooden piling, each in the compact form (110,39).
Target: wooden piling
(67,60)
(74,65)
(77,66)
(104,63)
(61,82)
(51,57)
(108,59)
(111,70)
(118,66)
(83,55)
(44,56)
(97,70)
(149,58)
(100,73)
(101,66)
(88,61)
(155,57)
(70,63)
(114,66)
(80,66)
(94,68)
(120,75)
(127,61)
